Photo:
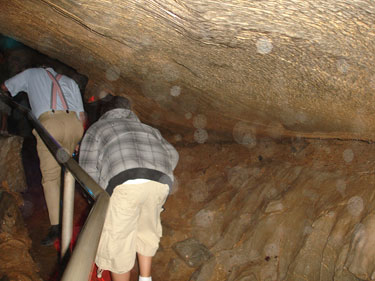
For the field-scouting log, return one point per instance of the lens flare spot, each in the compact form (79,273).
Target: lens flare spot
(264,45)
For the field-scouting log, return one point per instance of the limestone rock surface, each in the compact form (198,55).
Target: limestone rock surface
(211,69)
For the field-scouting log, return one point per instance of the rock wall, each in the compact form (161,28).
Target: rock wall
(292,210)
(16,262)
(302,67)
(12,171)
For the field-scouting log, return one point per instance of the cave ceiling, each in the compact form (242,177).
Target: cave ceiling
(217,69)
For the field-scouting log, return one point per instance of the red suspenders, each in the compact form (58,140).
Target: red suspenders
(56,89)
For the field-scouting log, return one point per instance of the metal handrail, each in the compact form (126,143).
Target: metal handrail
(81,262)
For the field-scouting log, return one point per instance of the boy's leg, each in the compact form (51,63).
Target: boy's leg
(120,277)
(149,226)
(144,265)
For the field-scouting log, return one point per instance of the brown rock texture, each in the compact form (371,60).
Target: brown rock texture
(292,67)
(282,210)
(12,172)
(229,81)
(15,260)
(290,209)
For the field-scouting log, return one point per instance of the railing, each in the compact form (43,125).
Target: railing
(80,263)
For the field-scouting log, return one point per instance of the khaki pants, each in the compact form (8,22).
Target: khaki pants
(67,130)
(132,225)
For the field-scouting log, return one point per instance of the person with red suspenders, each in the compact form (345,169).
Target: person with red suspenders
(56,101)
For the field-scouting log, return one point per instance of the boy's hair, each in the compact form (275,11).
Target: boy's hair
(110,102)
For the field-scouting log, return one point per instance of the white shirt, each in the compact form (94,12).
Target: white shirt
(37,84)
(136,181)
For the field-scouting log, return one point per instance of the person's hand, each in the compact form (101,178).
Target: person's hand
(83,119)
(76,150)
(4,90)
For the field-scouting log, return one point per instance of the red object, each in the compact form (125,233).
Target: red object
(56,89)
(91,99)
(76,230)
(106,276)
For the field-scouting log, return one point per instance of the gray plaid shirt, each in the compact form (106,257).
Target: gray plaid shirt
(118,141)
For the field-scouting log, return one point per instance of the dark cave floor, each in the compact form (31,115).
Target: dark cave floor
(36,216)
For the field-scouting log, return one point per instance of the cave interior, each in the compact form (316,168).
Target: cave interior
(269,104)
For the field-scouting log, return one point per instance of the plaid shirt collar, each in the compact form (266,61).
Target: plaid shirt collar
(120,113)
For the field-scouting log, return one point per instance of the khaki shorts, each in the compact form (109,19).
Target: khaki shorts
(132,225)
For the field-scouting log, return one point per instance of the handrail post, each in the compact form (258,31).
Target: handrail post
(83,257)
(67,212)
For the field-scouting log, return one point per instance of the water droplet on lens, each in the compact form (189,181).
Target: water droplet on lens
(264,45)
